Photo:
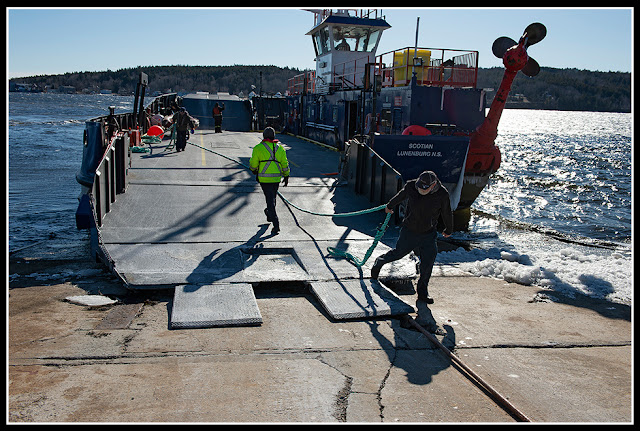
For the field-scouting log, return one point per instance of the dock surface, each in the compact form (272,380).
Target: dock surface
(560,360)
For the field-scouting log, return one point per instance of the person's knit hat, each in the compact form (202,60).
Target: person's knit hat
(269,133)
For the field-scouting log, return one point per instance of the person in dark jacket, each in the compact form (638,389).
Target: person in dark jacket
(428,202)
(183,122)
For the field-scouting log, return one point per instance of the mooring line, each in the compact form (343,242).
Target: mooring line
(332,250)
(499,398)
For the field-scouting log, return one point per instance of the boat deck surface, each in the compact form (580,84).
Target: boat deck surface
(196,218)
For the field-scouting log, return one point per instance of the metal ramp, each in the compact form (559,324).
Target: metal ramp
(193,221)
(234,304)
(206,306)
(357,299)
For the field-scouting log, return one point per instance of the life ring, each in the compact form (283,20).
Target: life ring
(416,130)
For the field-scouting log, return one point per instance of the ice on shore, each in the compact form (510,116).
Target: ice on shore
(90,300)
(605,274)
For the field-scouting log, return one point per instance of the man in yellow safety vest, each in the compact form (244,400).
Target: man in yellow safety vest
(269,163)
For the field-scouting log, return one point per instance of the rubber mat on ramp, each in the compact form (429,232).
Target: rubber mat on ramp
(206,306)
(355,299)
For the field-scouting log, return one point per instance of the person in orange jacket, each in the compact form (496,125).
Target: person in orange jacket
(216,112)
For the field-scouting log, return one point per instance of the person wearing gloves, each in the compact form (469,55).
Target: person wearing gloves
(427,203)
(270,165)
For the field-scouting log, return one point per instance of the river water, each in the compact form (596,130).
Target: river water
(557,214)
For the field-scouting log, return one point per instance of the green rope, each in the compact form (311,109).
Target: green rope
(148,139)
(332,251)
(339,253)
(173,138)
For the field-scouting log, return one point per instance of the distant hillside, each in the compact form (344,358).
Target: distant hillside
(171,79)
(564,89)
(559,89)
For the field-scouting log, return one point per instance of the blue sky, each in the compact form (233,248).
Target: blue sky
(54,41)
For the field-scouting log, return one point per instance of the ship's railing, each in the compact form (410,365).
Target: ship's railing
(350,74)
(432,66)
(301,84)
(110,176)
(321,14)
(460,69)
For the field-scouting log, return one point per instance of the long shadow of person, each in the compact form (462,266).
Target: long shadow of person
(222,265)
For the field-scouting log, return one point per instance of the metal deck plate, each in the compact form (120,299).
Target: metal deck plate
(353,299)
(272,264)
(205,306)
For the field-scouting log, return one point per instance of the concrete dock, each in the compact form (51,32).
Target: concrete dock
(567,360)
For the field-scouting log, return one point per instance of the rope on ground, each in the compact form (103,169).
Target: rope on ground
(332,251)
(149,139)
(472,375)
(339,253)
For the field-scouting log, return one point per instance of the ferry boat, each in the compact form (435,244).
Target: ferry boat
(391,115)
(410,110)
(192,220)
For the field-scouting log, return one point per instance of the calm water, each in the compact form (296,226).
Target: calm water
(45,153)
(568,173)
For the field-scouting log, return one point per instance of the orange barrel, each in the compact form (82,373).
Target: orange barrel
(134,138)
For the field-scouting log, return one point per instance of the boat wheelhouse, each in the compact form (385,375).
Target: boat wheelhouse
(415,108)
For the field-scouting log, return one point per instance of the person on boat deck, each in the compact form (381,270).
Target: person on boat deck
(183,122)
(216,112)
(156,119)
(343,46)
(147,116)
(270,165)
(428,202)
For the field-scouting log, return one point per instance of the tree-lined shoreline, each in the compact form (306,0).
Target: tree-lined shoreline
(554,89)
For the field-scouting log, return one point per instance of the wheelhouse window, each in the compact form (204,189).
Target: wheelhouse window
(361,39)
(321,41)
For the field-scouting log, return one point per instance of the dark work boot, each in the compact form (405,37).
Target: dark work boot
(423,294)
(375,270)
